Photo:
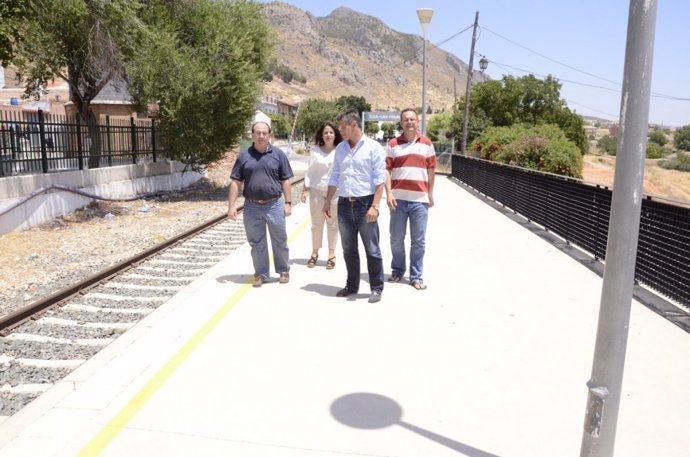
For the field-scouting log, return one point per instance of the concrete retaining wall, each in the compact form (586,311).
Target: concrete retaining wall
(112,182)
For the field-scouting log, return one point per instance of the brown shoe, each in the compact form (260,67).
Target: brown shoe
(284,278)
(258,281)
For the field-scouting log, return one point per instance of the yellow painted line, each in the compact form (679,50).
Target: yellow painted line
(120,421)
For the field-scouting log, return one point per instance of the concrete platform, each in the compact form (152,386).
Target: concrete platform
(490,360)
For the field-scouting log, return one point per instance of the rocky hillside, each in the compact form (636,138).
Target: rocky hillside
(349,53)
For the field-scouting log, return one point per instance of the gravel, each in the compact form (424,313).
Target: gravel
(44,259)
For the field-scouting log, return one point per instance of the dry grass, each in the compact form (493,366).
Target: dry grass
(659,182)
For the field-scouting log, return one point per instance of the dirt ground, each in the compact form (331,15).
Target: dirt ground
(43,259)
(658,182)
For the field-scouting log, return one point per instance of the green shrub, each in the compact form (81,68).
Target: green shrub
(489,143)
(654,151)
(607,144)
(658,137)
(678,161)
(543,147)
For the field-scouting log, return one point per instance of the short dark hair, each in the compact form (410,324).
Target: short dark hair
(406,110)
(318,137)
(350,116)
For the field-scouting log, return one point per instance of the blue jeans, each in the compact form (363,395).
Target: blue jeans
(352,220)
(256,219)
(417,213)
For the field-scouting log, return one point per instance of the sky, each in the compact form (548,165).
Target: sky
(581,43)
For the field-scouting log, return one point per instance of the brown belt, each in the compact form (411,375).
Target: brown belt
(263,202)
(356,199)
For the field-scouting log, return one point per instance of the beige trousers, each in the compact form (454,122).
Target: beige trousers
(318,220)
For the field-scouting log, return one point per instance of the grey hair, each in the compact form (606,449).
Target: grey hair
(350,116)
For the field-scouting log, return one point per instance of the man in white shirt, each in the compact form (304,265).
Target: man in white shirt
(358,178)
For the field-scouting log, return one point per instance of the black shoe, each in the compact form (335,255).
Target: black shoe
(345,292)
(375,296)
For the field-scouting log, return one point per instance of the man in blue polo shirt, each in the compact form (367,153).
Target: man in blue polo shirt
(265,171)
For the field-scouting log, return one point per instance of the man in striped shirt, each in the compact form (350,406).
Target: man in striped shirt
(410,165)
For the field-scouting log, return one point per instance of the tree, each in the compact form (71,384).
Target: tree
(183,54)
(438,125)
(347,102)
(681,139)
(315,112)
(371,128)
(280,125)
(388,129)
(204,75)
(12,13)
(86,43)
(525,100)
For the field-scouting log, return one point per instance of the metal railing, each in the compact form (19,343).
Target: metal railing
(579,213)
(44,143)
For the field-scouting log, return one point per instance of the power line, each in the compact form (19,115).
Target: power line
(618,84)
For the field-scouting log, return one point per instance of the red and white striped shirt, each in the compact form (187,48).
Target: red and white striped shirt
(408,164)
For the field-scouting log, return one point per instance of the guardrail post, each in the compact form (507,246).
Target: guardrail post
(80,151)
(42,138)
(153,138)
(134,140)
(109,141)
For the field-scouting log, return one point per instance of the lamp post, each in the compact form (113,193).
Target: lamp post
(424,15)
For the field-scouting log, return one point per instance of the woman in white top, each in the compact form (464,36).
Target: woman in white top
(316,186)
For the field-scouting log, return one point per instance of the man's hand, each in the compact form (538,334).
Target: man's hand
(391,201)
(372,214)
(232,213)
(288,209)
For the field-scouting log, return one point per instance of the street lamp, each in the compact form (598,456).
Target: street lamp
(424,15)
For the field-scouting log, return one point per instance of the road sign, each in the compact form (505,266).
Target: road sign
(381,116)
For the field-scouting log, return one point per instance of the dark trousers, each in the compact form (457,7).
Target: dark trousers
(352,221)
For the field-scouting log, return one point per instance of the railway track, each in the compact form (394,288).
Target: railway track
(47,340)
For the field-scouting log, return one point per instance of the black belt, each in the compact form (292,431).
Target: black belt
(357,199)
(263,202)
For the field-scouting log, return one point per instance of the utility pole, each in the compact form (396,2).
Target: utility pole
(463,145)
(455,102)
(603,401)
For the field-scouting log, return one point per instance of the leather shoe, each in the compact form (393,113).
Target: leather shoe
(375,296)
(345,292)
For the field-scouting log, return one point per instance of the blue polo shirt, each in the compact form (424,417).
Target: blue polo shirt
(262,174)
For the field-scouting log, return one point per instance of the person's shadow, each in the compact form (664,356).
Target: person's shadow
(372,411)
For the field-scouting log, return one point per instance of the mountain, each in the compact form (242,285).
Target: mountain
(350,53)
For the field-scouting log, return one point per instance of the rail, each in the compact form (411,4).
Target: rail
(579,213)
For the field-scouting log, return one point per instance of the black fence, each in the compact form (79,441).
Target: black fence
(44,143)
(579,213)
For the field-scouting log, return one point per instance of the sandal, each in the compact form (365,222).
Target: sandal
(394,278)
(331,263)
(312,261)
(418,284)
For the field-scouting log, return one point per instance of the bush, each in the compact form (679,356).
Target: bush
(543,148)
(654,151)
(679,161)
(490,143)
(658,137)
(681,139)
(607,144)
